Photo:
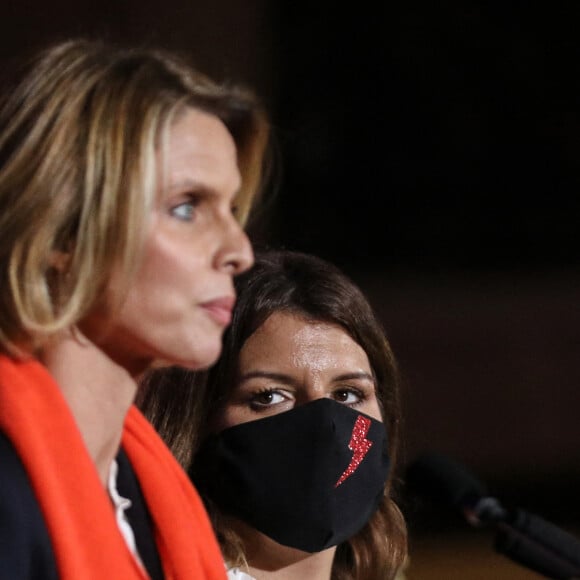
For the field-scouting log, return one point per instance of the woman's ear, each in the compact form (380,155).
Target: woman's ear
(59,260)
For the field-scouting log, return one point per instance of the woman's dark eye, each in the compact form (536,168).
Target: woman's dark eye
(348,396)
(267,398)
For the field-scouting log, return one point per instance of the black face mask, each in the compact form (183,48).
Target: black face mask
(309,478)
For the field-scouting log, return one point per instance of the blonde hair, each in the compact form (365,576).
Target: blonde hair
(78,139)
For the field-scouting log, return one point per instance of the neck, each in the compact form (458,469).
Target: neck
(314,567)
(98,392)
(269,560)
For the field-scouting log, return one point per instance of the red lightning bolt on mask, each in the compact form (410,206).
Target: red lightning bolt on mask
(359,445)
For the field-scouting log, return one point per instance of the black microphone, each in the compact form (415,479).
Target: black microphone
(523,537)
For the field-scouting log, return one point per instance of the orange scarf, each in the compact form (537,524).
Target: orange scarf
(77,510)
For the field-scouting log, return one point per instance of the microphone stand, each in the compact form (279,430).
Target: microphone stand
(525,538)
(533,542)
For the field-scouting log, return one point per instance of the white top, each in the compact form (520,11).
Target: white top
(121,504)
(237,574)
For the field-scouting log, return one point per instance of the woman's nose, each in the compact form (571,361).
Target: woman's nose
(236,255)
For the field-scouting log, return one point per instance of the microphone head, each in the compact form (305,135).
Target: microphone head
(447,482)
(443,480)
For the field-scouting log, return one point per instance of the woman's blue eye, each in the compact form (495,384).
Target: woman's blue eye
(184,211)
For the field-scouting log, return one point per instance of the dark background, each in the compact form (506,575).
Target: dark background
(432,150)
(431,136)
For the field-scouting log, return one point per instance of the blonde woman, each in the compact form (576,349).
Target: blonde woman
(125,178)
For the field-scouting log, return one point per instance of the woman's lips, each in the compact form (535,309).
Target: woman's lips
(220,309)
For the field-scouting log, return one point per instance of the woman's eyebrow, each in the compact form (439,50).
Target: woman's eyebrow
(189,184)
(280,377)
(357,375)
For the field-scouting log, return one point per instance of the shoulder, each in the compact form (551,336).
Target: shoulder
(25,548)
